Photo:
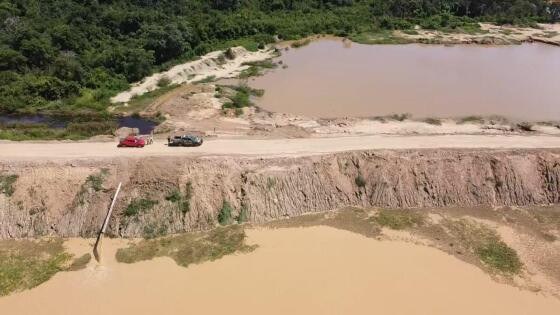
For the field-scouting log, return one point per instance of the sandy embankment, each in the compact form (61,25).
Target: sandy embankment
(491,34)
(207,66)
(318,270)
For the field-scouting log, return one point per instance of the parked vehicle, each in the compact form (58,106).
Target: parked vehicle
(132,142)
(148,139)
(185,141)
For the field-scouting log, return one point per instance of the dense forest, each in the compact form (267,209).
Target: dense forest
(70,56)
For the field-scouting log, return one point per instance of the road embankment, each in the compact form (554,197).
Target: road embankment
(169,194)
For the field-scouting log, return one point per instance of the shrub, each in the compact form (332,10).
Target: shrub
(433,121)
(174,196)
(243,214)
(7,184)
(183,201)
(400,117)
(141,205)
(229,54)
(163,81)
(96,181)
(471,119)
(360,181)
(300,43)
(525,126)
(224,217)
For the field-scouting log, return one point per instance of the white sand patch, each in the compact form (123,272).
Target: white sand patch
(209,65)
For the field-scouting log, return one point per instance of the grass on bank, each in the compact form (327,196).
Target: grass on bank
(189,248)
(380,37)
(399,219)
(74,131)
(485,244)
(24,264)
(256,68)
(139,103)
(242,97)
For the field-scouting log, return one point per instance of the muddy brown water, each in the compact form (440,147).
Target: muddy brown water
(332,78)
(316,270)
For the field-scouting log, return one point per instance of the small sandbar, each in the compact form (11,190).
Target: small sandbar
(313,270)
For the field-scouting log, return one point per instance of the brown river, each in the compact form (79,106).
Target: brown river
(317,270)
(332,78)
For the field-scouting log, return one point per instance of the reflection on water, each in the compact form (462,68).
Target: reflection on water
(327,79)
(144,125)
(52,122)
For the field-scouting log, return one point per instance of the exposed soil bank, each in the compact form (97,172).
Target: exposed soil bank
(215,64)
(315,270)
(173,194)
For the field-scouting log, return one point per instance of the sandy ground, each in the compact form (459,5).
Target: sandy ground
(208,65)
(269,147)
(493,34)
(329,271)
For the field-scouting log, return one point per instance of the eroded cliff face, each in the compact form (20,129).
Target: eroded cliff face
(163,195)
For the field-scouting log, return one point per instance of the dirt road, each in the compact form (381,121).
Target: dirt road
(271,147)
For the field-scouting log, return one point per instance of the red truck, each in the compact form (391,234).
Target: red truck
(132,142)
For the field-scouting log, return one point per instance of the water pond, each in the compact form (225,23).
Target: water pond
(335,78)
(144,125)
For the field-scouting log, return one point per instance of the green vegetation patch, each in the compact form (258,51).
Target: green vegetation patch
(139,103)
(25,264)
(256,68)
(399,219)
(208,79)
(138,206)
(485,244)
(243,214)
(78,130)
(7,184)
(226,213)
(95,181)
(360,181)
(183,201)
(80,262)
(497,255)
(242,97)
(189,248)
(380,37)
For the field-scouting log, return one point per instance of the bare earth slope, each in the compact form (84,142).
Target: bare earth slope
(70,198)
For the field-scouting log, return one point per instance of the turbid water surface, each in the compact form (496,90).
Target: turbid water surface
(332,78)
(317,270)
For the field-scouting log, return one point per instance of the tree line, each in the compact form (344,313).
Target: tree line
(70,56)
